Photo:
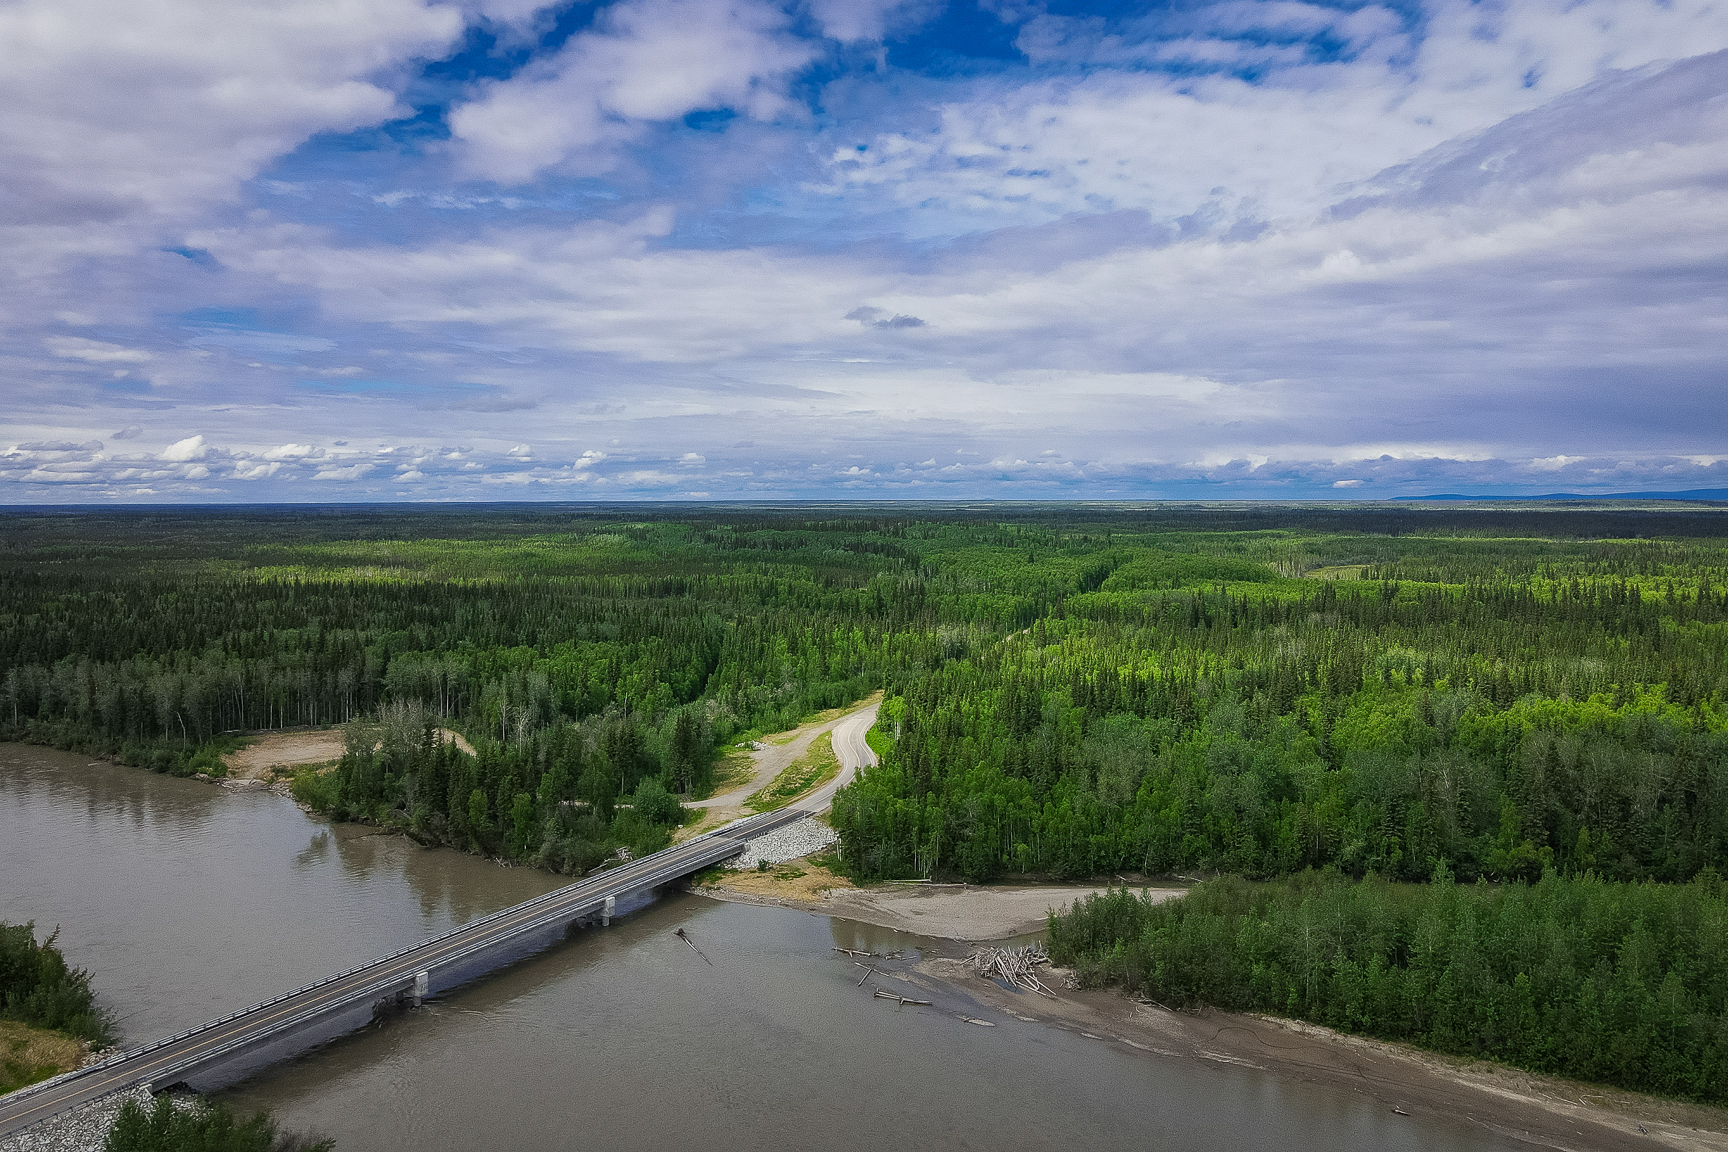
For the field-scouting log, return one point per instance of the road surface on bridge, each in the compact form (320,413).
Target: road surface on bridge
(163,1062)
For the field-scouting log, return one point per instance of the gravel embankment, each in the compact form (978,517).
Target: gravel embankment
(782,844)
(80,1129)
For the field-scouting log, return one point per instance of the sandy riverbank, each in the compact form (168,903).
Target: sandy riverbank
(947,911)
(1542,1111)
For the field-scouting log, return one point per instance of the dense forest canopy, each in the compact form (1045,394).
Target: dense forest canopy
(1072,689)
(1581,977)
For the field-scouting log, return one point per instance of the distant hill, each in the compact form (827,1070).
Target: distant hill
(1707,495)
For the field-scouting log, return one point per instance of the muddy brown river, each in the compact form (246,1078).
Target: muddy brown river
(186,901)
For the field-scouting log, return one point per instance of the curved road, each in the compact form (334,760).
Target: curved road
(849,745)
(854,753)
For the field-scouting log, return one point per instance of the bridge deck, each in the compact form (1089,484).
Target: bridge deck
(165,1061)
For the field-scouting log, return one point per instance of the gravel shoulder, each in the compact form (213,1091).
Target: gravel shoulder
(80,1129)
(781,752)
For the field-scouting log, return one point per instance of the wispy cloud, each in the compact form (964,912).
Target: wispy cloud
(732,247)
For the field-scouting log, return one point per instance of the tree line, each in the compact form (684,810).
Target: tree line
(1072,692)
(1618,983)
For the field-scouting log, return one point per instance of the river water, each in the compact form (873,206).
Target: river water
(186,901)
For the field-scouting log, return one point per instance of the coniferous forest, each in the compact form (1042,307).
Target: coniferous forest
(1508,695)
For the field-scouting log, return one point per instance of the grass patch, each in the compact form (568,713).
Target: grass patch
(733,766)
(1336,572)
(318,787)
(28,1054)
(815,766)
(879,741)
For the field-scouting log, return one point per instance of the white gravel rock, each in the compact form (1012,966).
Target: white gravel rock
(782,844)
(80,1129)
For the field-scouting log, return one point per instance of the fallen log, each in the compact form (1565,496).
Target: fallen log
(1013,966)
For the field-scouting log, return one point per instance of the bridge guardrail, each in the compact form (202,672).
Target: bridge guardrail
(737,829)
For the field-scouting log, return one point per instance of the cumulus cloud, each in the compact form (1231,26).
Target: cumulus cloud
(646,60)
(291,452)
(135,114)
(1251,248)
(878,318)
(853,20)
(350,472)
(191,448)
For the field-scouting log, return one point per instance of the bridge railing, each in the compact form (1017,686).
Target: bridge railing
(733,830)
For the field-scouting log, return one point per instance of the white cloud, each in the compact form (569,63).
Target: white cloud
(851,20)
(291,452)
(191,448)
(1203,278)
(94,351)
(351,472)
(1005,151)
(171,103)
(646,60)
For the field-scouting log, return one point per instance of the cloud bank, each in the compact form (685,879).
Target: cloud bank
(690,248)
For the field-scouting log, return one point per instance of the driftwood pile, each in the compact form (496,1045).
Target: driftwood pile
(1016,966)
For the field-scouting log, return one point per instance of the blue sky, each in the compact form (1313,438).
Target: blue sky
(674,249)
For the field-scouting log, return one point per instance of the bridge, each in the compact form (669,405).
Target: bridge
(227,1049)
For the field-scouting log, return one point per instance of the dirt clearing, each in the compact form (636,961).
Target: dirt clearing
(260,759)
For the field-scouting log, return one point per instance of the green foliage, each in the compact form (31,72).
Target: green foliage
(818,764)
(653,803)
(38,988)
(1071,691)
(317,788)
(1620,983)
(202,1127)
(1496,727)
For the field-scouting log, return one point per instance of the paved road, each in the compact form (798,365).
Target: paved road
(772,760)
(854,753)
(165,1061)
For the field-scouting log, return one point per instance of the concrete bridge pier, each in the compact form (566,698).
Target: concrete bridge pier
(606,912)
(422,987)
